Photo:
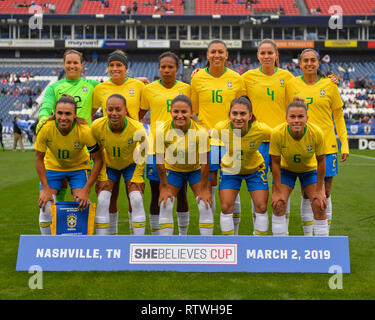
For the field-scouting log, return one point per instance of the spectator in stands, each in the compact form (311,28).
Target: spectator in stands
(123,8)
(129,10)
(135,7)
(1,134)
(17,134)
(52,8)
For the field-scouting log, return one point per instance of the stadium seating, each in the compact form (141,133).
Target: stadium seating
(95,7)
(7,6)
(349,7)
(238,7)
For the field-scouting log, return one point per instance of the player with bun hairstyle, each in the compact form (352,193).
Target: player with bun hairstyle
(157,98)
(242,135)
(120,136)
(182,148)
(297,150)
(61,154)
(212,91)
(324,108)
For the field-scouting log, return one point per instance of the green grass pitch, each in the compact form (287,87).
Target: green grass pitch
(353,200)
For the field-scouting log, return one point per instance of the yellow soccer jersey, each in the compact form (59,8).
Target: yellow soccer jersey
(131,89)
(242,155)
(158,98)
(297,155)
(321,99)
(119,147)
(65,153)
(267,94)
(211,97)
(182,150)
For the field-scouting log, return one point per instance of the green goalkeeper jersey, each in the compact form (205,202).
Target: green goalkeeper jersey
(82,91)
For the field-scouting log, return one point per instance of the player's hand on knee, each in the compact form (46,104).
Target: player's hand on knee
(165,194)
(206,196)
(44,197)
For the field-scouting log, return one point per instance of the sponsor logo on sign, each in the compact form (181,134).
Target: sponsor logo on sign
(182,253)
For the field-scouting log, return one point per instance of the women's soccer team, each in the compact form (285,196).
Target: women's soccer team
(243,126)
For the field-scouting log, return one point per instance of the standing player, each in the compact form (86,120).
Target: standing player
(241,135)
(61,154)
(74,85)
(131,89)
(157,98)
(324,107)
(212,91)
(117,134)
(297,150)
(182,148)
(266,88)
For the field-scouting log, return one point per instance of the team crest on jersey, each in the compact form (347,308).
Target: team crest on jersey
(130,141)
(131,92)
(282,82)
(76,144)
(71,220)
(322,92)
(309,148)
(84,89)
(252,144)
(230,85)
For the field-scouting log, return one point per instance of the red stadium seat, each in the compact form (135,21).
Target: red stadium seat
(238,7)
(94,7)
(348,7)
(7,6)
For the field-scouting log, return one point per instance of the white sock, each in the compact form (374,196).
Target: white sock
(307,217)
(321,228)
(113,223)
(279,225)
(45,219)
(183,222)
(226,224)
(102,213)
(329,212)
(253,211)
(237,214)
(206,221)
(261,224)
(213,193)
(154,224)
(138,220)
(166,218)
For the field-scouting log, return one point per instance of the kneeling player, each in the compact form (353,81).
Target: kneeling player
(119,135)
(182,148)
(242,135)
(60,153)
(297,150)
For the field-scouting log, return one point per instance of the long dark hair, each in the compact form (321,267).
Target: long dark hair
(319,72)
(244,100)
